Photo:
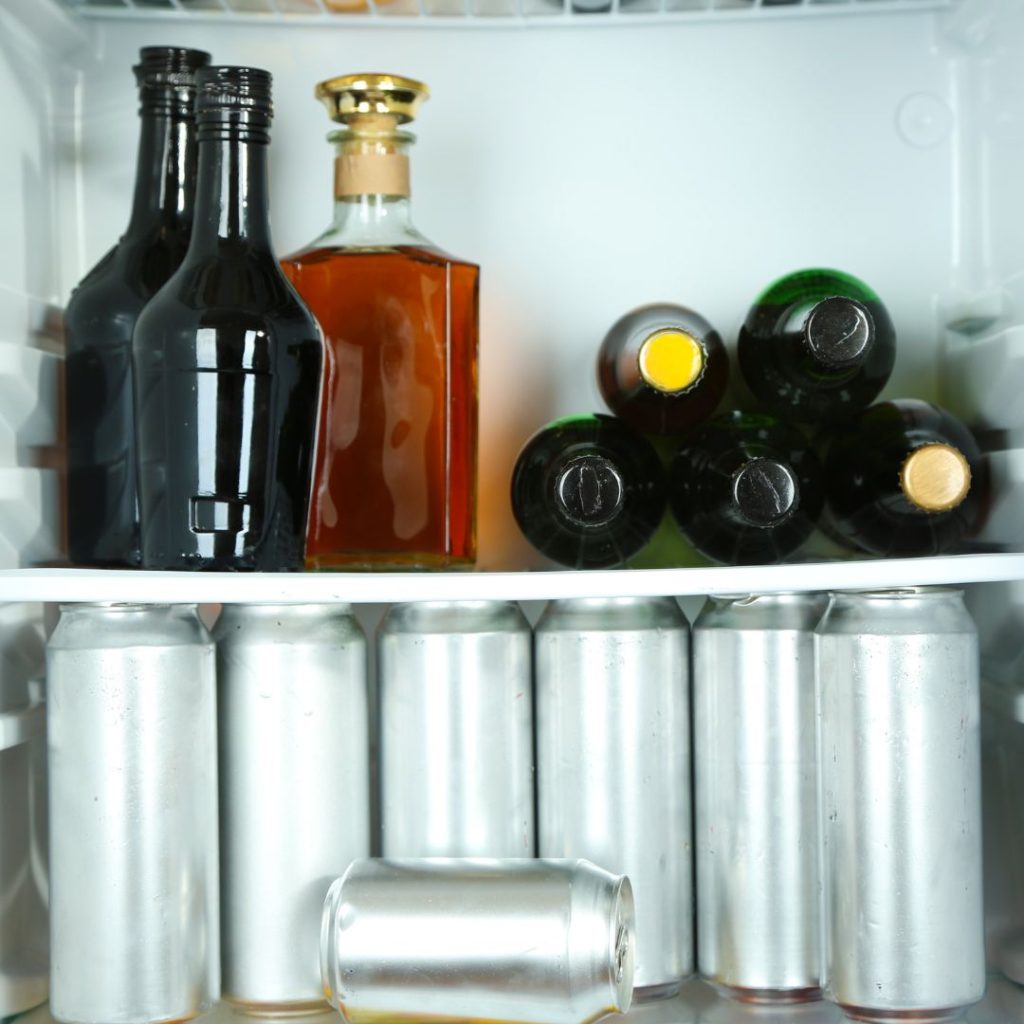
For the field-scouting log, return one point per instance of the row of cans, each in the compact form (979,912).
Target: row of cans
(831,794)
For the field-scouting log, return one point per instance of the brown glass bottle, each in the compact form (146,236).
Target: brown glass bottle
(662,368)
(395,478)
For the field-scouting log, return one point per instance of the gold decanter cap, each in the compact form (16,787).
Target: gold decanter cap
(935,477)
(350,98)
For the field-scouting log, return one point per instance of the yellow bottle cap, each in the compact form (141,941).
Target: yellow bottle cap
(671,360)
(352,97)
(935,477)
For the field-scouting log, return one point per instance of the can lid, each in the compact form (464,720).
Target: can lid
(671,360)
(935,477)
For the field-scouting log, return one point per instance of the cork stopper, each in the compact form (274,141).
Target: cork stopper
(671,361)
(935,477)
(371,157)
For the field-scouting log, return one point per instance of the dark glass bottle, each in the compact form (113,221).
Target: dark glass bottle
(227,364)
(103,518)
(817,346)
(662,368)
(904,478)
(587,491)
(746,489)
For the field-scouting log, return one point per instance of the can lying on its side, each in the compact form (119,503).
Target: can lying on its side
(756,778)
(456,730)
(499,940)
(133,815)
(901,805)
(294,788)
(613,762)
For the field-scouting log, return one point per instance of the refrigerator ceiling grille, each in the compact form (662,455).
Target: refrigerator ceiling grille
(485,12)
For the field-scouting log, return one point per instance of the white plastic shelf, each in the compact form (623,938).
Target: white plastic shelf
(483,12)
(70,585)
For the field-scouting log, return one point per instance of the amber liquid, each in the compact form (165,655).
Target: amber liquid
(395,477)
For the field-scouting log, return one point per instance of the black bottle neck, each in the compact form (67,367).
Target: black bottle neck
(764,493)
(589,491)
(837,335)
(165,177)
(233,199)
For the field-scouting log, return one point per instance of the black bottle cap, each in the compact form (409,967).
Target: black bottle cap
(166,76)
(839,332)
(766,492)
(589,490)
(235,96)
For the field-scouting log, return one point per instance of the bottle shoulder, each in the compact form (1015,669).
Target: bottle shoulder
(323,252)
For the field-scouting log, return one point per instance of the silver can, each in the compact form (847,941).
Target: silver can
(133,815)
(456,730)
(498,940)
(24,933)
(901,804)
(293,727)
(756,791)
(613,762)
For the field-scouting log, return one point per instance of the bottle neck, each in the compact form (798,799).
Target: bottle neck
(165,179)
(233,199)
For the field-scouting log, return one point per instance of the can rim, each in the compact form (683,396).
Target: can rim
(896,593)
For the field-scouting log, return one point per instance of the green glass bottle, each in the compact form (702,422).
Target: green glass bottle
(905,478)
(588,492)
(817,346)
(745,489)
(662,368)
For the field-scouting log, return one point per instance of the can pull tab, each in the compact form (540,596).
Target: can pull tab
(17,727)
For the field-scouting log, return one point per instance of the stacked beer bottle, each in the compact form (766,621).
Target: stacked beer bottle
(746,486)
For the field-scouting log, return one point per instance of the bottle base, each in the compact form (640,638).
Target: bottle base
(872,1016)
(299,1008)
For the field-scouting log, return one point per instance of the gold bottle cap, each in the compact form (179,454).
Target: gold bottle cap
(671,360)
(349,97)
(935,477)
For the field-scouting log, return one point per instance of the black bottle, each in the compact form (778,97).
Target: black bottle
(817,346)
(103,518)
(662,368)
(588,492)
(227,364)
(745,489)
(904,478)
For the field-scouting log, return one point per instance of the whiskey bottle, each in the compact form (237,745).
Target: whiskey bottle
(103,518)
(227,364)
(588,491)
(904,478)
(395,480)
(817,346)
(746,489)
(662,368)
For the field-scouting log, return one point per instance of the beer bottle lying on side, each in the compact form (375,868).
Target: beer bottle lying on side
(745,489)
(904,478)
(817,346)
(662,368)
(587,491)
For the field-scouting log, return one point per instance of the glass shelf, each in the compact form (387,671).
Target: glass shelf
(370,588)
(484,12)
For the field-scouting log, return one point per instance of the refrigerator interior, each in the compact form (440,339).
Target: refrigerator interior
(687,151)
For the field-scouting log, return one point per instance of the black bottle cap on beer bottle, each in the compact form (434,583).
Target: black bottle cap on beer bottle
(166,77)
(235,98)
(589,490)
(766,492)
(839,332)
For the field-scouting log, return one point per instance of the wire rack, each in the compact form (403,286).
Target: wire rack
(306,12)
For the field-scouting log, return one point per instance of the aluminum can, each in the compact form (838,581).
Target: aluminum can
(759,899)
(613,762)
(133,815)
(901,804)
(294,790)
(456,730)
(480,939)
(24,931)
